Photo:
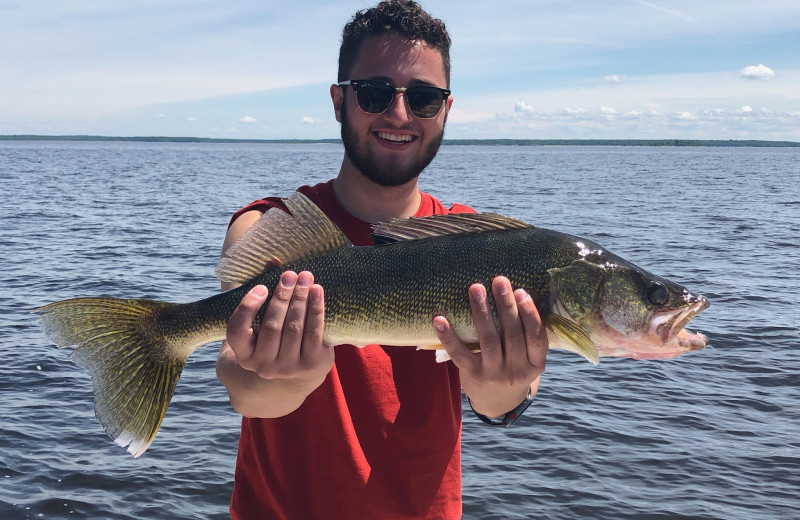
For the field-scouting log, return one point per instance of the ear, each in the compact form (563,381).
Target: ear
(337,96)
(449,102)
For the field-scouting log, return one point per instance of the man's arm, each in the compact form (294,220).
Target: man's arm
(270,373)
(498,379)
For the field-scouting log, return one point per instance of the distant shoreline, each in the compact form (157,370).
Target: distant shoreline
(451,142)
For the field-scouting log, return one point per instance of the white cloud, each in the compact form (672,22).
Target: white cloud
(161,116)
(191,119)
(686,116)
(248,120)
(757,72)
(522,107)
(309,120)
(608,111)
(458,116)
(567,111)
(613,78)
(745,110)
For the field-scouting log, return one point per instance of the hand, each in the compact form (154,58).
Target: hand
(288,346)
(498,378)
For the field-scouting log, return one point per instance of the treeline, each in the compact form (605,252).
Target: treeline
(617,142)
(158,139)
(455,142)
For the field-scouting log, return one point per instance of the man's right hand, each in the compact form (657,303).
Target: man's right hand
(270,372)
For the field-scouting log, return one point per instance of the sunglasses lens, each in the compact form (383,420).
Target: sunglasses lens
(424,102)
(374,97)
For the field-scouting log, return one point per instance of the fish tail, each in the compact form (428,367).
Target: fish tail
(133,350)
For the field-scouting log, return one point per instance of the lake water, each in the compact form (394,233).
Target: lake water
(713,434)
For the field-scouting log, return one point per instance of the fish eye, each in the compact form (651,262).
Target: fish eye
(657,293)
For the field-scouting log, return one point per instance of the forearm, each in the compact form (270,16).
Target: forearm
(254,396)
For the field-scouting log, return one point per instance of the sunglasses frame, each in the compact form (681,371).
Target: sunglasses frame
(356,82)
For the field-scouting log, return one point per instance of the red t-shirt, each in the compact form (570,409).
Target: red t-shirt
(379,439)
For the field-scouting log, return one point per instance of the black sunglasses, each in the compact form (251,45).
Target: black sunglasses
(375,97)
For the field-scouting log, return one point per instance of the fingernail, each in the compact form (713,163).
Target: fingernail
(477,293)
(304,279)
(521,295)
(259,291)
(439,326)
(502,288)
(288,279)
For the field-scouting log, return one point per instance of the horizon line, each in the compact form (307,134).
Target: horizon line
(489,142)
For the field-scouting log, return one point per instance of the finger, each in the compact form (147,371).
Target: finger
(240,335)
(458,352)
(293,324)
(508,315)
(271,329)
(535,333)
(488,336)
(315,319)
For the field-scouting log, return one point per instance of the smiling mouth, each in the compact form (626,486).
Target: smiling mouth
(395,138)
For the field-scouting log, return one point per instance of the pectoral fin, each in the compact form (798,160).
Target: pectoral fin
(572,337)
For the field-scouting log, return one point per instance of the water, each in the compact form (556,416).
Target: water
(710,435)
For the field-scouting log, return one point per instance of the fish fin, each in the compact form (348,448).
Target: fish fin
(279,237)
(133,370)
(417,228)
(442,356)
(572,335)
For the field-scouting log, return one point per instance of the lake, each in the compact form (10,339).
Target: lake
(712,434)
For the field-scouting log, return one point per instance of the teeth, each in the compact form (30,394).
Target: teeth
(395,137)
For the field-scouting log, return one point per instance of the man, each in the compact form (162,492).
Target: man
(370,433)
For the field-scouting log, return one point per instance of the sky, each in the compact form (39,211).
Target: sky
(534,69)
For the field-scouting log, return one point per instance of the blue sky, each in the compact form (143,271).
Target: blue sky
(534,69)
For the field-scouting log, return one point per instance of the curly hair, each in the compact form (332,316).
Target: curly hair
(403,17)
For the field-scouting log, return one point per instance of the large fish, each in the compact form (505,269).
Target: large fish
(591,301)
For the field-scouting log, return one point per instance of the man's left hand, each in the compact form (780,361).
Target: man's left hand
(497,379)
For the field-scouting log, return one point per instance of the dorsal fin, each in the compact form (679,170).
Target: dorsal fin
(279,237)
(415,228)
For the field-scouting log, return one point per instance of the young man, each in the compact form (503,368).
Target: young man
(370,433)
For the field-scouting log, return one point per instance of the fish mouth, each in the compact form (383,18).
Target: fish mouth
(670,325)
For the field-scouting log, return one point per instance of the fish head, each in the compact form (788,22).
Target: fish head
(625,310)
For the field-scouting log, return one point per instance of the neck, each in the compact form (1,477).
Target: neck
(372,203)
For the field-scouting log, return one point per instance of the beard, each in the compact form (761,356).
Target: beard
(386,175)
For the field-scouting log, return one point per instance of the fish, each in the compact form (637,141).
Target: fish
(591,301)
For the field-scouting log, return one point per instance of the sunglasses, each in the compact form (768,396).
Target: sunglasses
(375,97)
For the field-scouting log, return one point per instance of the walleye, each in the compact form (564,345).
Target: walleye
(591,301)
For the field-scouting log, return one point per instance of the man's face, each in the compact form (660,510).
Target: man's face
(394,147)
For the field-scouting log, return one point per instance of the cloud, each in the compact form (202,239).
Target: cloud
(686,116)
(757,72)
(309,120)
(523,108)
(567,111)
(248,120)
(672,12)
(460,116)
(613,78)
(608,111)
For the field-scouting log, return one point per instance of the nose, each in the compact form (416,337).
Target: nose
(399,108)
